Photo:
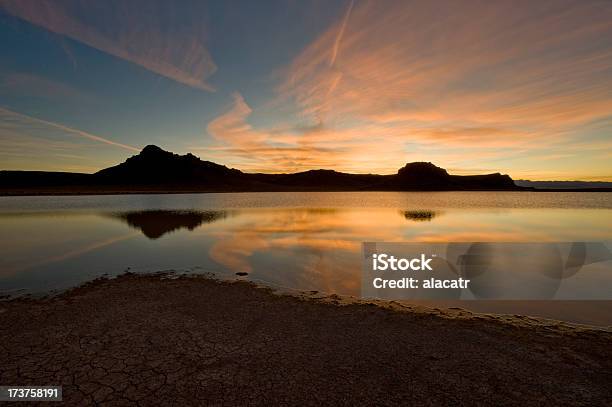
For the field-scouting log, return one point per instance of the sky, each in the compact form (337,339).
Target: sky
(518,87)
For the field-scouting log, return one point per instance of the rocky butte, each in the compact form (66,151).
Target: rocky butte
(157,170)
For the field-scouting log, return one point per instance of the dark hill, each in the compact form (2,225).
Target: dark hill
(154,166)
(423,175)
(41,179)
(157,170)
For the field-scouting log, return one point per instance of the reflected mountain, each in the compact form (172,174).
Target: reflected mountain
(420,215)
(156,223)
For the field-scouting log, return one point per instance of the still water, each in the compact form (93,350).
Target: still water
(307,241)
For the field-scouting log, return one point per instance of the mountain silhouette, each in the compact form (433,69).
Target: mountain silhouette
(157,170)
(154,166)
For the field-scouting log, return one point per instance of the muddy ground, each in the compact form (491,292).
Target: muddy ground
(151,340)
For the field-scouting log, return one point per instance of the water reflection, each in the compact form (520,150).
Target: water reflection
(307,247)
(156,223)
(420,215)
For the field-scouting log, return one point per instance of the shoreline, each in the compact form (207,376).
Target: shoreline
(442,311)
(450,310)
(85,192)
(193,339)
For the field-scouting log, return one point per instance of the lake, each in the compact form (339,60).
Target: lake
(306,241)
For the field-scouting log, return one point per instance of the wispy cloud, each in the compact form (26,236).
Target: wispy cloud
(496,78)
(334,53)
(8,116)
(289,148)
(480,62)
(232,128)
(27,84)
(256,150)
(146,33)
(29,143)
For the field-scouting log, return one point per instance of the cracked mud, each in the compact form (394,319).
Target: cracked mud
(145,340)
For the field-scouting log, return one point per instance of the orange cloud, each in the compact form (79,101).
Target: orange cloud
(265,150)
(497,83)
(232,127)
(291,148)
(479,62)
(496,78)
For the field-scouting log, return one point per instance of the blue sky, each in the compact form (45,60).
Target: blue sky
(362,86)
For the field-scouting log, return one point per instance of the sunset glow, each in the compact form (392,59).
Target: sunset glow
(523,88)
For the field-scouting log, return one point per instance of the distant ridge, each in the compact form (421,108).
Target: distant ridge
(157,170)
(563,184)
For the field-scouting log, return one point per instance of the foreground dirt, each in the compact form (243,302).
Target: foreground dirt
(145,340)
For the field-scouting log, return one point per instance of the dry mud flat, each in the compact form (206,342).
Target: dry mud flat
(150,340)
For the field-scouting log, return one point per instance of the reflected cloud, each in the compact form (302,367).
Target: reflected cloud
(156,223)
(304,247)
(73,253)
